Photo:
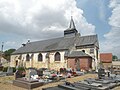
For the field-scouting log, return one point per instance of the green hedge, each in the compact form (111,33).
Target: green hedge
(21,68)
(1,68)
(14,69)
(5,69)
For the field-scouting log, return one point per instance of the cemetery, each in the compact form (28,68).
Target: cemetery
(64,79)
(32,78)
(103,82)
(7,71)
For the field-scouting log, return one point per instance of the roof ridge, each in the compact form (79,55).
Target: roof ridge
(46,40)
(89,35)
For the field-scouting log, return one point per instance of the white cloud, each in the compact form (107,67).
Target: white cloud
(112,42)
(102,12)
(40,19)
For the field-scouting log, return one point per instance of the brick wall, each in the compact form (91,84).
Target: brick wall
(85,63)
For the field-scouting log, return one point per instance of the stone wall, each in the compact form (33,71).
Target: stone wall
(39,64)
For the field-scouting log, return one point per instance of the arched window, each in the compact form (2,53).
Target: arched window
(83,51)
(40,57)
(57,56)
(16,63)
(27,57)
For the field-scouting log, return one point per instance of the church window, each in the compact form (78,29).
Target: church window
(40,58)
(27,57)
(57,56)
(83,51)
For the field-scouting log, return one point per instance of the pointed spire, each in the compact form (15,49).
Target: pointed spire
(71,31)
(72,24)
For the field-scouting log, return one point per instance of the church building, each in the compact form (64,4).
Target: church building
(70,51)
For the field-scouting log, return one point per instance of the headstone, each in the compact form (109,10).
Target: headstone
(101,73)
(27,74)
(33,72)
(9,71)
(30,73)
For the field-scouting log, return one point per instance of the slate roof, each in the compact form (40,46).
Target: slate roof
(61,43)
(76,54)
(87,40)
(46,45)
(71,29)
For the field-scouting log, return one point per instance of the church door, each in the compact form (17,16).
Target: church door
(77,64)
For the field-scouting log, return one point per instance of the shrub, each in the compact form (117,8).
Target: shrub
(1,68)
(5,69)
(20,72)
(21,68)
(14,69)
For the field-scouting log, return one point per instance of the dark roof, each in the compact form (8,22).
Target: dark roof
(87,40)
(72,24)
(61,43)
(76,54)
(71,29)
(46,45)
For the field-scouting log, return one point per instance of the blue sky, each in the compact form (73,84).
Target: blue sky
(44,19)
(92,11)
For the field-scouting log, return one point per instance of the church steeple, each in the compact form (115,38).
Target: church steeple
(72,24)
(71,31)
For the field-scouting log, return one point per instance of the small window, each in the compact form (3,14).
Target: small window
(57,56)
(16,63)
(27,57)
(40,58)
(91,51)
(83,51)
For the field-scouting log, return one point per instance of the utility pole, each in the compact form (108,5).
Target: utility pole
(1,52)
(2,47)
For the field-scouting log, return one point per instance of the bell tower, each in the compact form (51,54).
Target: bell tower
(71,31)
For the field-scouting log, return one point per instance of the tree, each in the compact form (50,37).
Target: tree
(7,53)
(114,58)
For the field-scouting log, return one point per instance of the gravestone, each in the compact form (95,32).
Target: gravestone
(101,73)
(27,74)
(27,82)
(9,71)
(30,73)
(33,72)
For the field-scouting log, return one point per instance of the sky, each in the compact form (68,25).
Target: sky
(23,20)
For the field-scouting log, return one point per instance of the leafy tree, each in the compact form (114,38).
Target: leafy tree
(114,58)
(7,53)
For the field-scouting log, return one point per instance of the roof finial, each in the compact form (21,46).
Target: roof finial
(72,24)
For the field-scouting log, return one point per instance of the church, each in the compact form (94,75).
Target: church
(70,51)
